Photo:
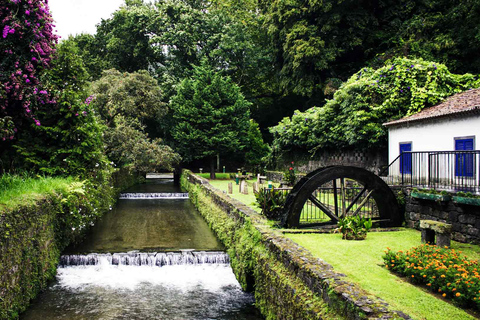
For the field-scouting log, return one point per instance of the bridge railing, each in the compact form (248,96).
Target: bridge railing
(441,170)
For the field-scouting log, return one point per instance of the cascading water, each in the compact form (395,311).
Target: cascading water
(149,259)
(133,196)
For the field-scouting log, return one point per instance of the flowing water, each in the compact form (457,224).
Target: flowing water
(151,257)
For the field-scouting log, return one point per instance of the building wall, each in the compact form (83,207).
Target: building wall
(433,135)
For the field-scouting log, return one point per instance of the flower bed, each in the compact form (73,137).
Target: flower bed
(442,270)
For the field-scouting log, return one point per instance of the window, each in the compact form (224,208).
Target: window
(464,166)
(405,158)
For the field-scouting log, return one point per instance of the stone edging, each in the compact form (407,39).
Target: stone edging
(347,298)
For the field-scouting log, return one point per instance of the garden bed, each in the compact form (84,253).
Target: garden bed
(362,262)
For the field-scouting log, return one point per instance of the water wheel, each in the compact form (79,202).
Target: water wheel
(340,191)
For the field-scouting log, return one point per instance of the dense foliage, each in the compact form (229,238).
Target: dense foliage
(316,41)
(211,117)
(69,141)
(442,270)
(354,117)
(125,101)
(271,202)
(256,149)
(26,46)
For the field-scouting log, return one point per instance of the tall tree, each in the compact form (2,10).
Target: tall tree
(211,117)
(26,46)
(69,140)
(125,101)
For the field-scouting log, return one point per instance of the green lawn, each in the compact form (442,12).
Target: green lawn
(362,262)
(247,199)
(21,189)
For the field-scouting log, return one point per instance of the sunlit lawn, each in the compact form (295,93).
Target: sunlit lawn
(362,262)
(25,189)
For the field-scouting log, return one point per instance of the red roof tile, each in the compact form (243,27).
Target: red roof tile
(459,103)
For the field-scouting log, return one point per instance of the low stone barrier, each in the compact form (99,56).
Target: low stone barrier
(464,217)
(32,237)
(289,283)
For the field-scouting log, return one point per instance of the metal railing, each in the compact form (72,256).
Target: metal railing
(352,197)
(441,170)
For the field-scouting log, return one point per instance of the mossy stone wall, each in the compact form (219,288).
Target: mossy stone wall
(32,238)
(288,282)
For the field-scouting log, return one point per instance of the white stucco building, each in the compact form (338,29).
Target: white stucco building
(434,139)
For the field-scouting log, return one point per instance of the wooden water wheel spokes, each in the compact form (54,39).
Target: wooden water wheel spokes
(340,191)
(348,199)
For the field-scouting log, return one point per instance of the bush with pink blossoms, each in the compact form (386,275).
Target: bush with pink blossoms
(27,45)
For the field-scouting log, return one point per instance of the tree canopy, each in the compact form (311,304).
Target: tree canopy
(124,102)
(211,116)
(371,97)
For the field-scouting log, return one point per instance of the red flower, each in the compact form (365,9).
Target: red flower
(290,168)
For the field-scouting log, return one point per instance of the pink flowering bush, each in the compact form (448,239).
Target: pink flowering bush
(26,47)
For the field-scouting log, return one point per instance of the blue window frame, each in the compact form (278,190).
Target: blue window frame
(405,158)
(464,166)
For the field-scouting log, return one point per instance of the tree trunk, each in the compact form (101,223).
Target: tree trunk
(212,167)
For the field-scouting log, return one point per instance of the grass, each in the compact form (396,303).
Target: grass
(247,199)
(222,176)
(362,262)
(25,189)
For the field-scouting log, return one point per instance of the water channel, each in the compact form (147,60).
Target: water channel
(152,257)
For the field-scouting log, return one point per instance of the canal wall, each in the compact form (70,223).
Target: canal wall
(288,282)
(32,236)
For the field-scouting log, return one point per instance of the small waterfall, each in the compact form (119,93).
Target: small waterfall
(174,195)
(146,259)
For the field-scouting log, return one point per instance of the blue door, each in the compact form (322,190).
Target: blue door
(464,161)
(405,158)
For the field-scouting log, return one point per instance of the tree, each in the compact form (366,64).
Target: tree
(125,101)
(27,46)
(69,141)
(257,150)
(353,118)
(211,117)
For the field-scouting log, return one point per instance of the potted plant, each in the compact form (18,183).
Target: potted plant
(354,227)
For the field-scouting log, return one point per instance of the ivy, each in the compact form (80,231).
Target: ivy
(354,117)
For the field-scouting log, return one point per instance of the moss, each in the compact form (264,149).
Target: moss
(278,292)
(33,235)
(289,283)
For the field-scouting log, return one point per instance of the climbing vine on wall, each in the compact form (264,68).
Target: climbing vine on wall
(354,117)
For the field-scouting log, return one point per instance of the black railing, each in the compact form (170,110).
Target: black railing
(440,170)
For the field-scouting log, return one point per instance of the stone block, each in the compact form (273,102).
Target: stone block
(459,237)
(466,219)
(473,231)
(452,217)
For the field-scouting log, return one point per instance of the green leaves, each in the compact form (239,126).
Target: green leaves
(210,115)
(354,117)
(125,102)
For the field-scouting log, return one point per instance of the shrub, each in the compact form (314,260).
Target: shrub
(271,202)
(289,176)
(442,270)
(354,227)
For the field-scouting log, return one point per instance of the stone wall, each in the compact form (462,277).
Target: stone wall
(288,282)
(465,219)
(373,161)
(32,237)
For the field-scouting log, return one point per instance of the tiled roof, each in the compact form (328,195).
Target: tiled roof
(459,103)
